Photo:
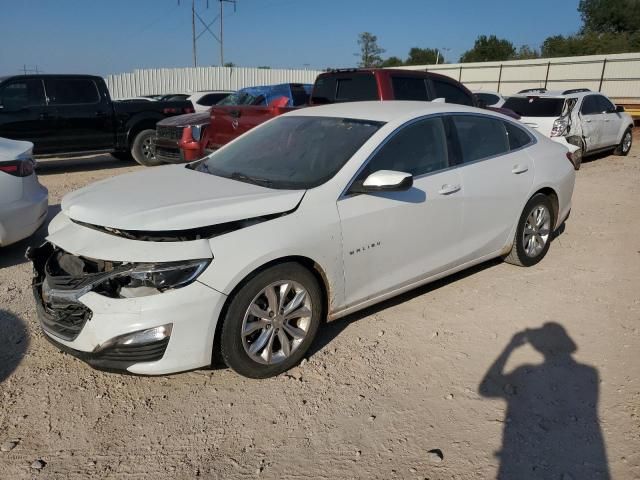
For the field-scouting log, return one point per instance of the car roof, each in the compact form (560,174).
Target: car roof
(557,94)
(387,111)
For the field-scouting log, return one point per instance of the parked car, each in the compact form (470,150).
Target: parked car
(203,101)
(189,137)
(319,213)
(576,118)
(74,114)
(348,85)
(489,98)
(23,201)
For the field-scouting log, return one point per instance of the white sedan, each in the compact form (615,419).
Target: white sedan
(23,201)
(317,213)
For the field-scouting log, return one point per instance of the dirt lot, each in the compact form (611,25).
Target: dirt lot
(381,389)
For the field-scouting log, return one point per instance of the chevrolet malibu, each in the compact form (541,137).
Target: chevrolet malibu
(311,216)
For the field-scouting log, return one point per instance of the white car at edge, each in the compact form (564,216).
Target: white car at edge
(585,122)
(316,213)
(23,200)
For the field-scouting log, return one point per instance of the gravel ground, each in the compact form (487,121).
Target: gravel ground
(396,391)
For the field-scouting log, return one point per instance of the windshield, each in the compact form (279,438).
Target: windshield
(535,106)
(242,98)
(290,152)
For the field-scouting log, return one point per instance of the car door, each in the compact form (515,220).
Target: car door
(392,239)
(612,129)
(497,176)
(83,118)
(593,123)
(23,113)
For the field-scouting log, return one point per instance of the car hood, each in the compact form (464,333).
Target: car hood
(185,120)
(173,198)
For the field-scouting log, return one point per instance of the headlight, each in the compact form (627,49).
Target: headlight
(153,278)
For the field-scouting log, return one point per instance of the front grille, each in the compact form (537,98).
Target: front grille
(64,321)
(169,133)
(168,154)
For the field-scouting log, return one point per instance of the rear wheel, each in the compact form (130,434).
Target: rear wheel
(624,147)
(271,321)
(141,149)
(533,234)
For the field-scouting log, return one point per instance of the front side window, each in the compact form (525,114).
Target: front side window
(71,91)
(409,88)
(211,99)
(21,94)
(290,152)
(488,98)
(451,93)
(418,148)
(480,137)
(518,138)
(605,104)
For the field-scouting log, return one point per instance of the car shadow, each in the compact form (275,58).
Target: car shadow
(48,166)
(14,254)
(14,341)
(597,156)
(551,425)
(332,329)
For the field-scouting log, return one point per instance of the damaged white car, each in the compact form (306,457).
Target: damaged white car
(585,122)
(313,215)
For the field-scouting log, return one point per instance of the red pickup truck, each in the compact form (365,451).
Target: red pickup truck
(351,85)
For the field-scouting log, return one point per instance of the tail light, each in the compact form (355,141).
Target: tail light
(559,127)
(17,168)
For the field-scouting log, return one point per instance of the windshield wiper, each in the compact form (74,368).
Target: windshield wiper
(249,179)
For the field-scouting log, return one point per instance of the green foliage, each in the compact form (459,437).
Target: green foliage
(486,49)
(590,44)
(230,64)
(264,67)
(424,56)
(392,62)
(525,52)
(610,16)
(370,52)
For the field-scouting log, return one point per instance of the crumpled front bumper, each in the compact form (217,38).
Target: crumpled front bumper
(84,324)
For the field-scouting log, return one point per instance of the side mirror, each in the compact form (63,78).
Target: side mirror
(619,109)
(384,181)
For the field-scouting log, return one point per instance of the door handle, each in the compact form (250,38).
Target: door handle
(448,189)
(588,120)
(517,169)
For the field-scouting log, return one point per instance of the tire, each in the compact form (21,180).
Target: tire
(624,147)
(261,352)
(141,149)
(578,155)
(122,156)
(525,250)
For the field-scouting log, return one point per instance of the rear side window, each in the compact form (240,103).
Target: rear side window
(71,91)
(535,106)
(211,99)
(451,93)
(418,148)
(480,137)
(409,88)
(518,138)
(21,94)
(351,88)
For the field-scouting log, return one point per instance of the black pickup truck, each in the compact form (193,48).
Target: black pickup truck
(74,115)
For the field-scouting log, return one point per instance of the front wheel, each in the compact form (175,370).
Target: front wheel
(141,149)
(624,147)
(271,321)
(533,233)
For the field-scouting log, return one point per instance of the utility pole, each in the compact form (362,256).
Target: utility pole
(193,31)
(221,27)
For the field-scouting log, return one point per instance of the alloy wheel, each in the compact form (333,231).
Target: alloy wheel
(147,151)
(536,232)
(277,322)
(626,142)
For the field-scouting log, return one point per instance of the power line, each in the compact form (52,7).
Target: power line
(207,28)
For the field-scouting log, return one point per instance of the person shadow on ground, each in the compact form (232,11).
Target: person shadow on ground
(551,427)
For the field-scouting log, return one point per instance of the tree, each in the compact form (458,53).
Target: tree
(486,49)
(230,64)
(610,16)
(369,50)
(392,62)
(590,44)
(264,67)
(525,52)
(424,56)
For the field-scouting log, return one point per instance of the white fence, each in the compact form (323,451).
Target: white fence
(618,76)
(177,80)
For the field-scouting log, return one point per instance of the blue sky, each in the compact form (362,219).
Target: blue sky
(111,36)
